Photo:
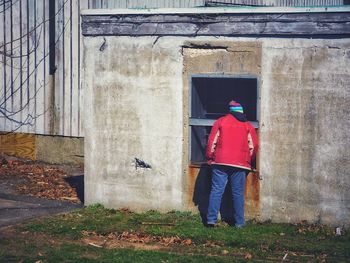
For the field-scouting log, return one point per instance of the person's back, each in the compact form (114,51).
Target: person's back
(232,145)
(232,142)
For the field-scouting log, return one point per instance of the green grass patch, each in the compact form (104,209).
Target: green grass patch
(261,240)
(70,252)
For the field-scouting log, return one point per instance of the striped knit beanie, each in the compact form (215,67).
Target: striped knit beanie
(235,106)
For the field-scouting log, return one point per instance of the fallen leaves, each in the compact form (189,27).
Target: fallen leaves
(187,242)
(91,237)
(136,240)
(211,243)
(37,179)
(303,227)
(264,247)
(248,256)
(224,252)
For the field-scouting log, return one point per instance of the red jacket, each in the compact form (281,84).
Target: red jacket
(232,142)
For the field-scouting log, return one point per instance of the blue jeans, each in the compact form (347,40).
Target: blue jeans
(220,176)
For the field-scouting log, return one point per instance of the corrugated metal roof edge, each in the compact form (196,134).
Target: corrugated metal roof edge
(213,10)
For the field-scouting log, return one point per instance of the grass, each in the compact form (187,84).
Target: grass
(59,239)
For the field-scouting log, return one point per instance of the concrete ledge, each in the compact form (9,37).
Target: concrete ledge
(62,150)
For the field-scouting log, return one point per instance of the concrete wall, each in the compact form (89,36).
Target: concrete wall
(135,108)
(60,150)
(234,59)
(305,158)
(133,100)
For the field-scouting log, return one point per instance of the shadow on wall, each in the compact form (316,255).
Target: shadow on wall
(201,196)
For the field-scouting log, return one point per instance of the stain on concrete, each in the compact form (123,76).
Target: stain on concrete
(231,58)
(252,196)
(193,172)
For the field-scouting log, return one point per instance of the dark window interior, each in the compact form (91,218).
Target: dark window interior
(199,138)
(210,96)
(209,100)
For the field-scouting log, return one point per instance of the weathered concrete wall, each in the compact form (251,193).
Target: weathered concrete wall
(234,58)
(305,157)
(135,107)
(133,99)
(61,150)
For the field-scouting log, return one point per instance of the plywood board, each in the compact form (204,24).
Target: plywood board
(18,144)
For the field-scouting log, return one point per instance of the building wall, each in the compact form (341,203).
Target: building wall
(135,93)
(133,100)
(215,58)
(96,4)
(276,2)
(32,100)
(35,102)
(304,130)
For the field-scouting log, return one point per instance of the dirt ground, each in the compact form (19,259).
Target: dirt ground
(30,189)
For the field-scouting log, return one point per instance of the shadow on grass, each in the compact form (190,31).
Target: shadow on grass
(201,196)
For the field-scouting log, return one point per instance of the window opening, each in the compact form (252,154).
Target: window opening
(209,98)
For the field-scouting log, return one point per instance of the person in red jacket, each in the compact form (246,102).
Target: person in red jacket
(232,146)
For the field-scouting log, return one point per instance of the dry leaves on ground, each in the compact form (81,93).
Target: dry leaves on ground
(37,179)
(305,227)
(248,256)
(91,237)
